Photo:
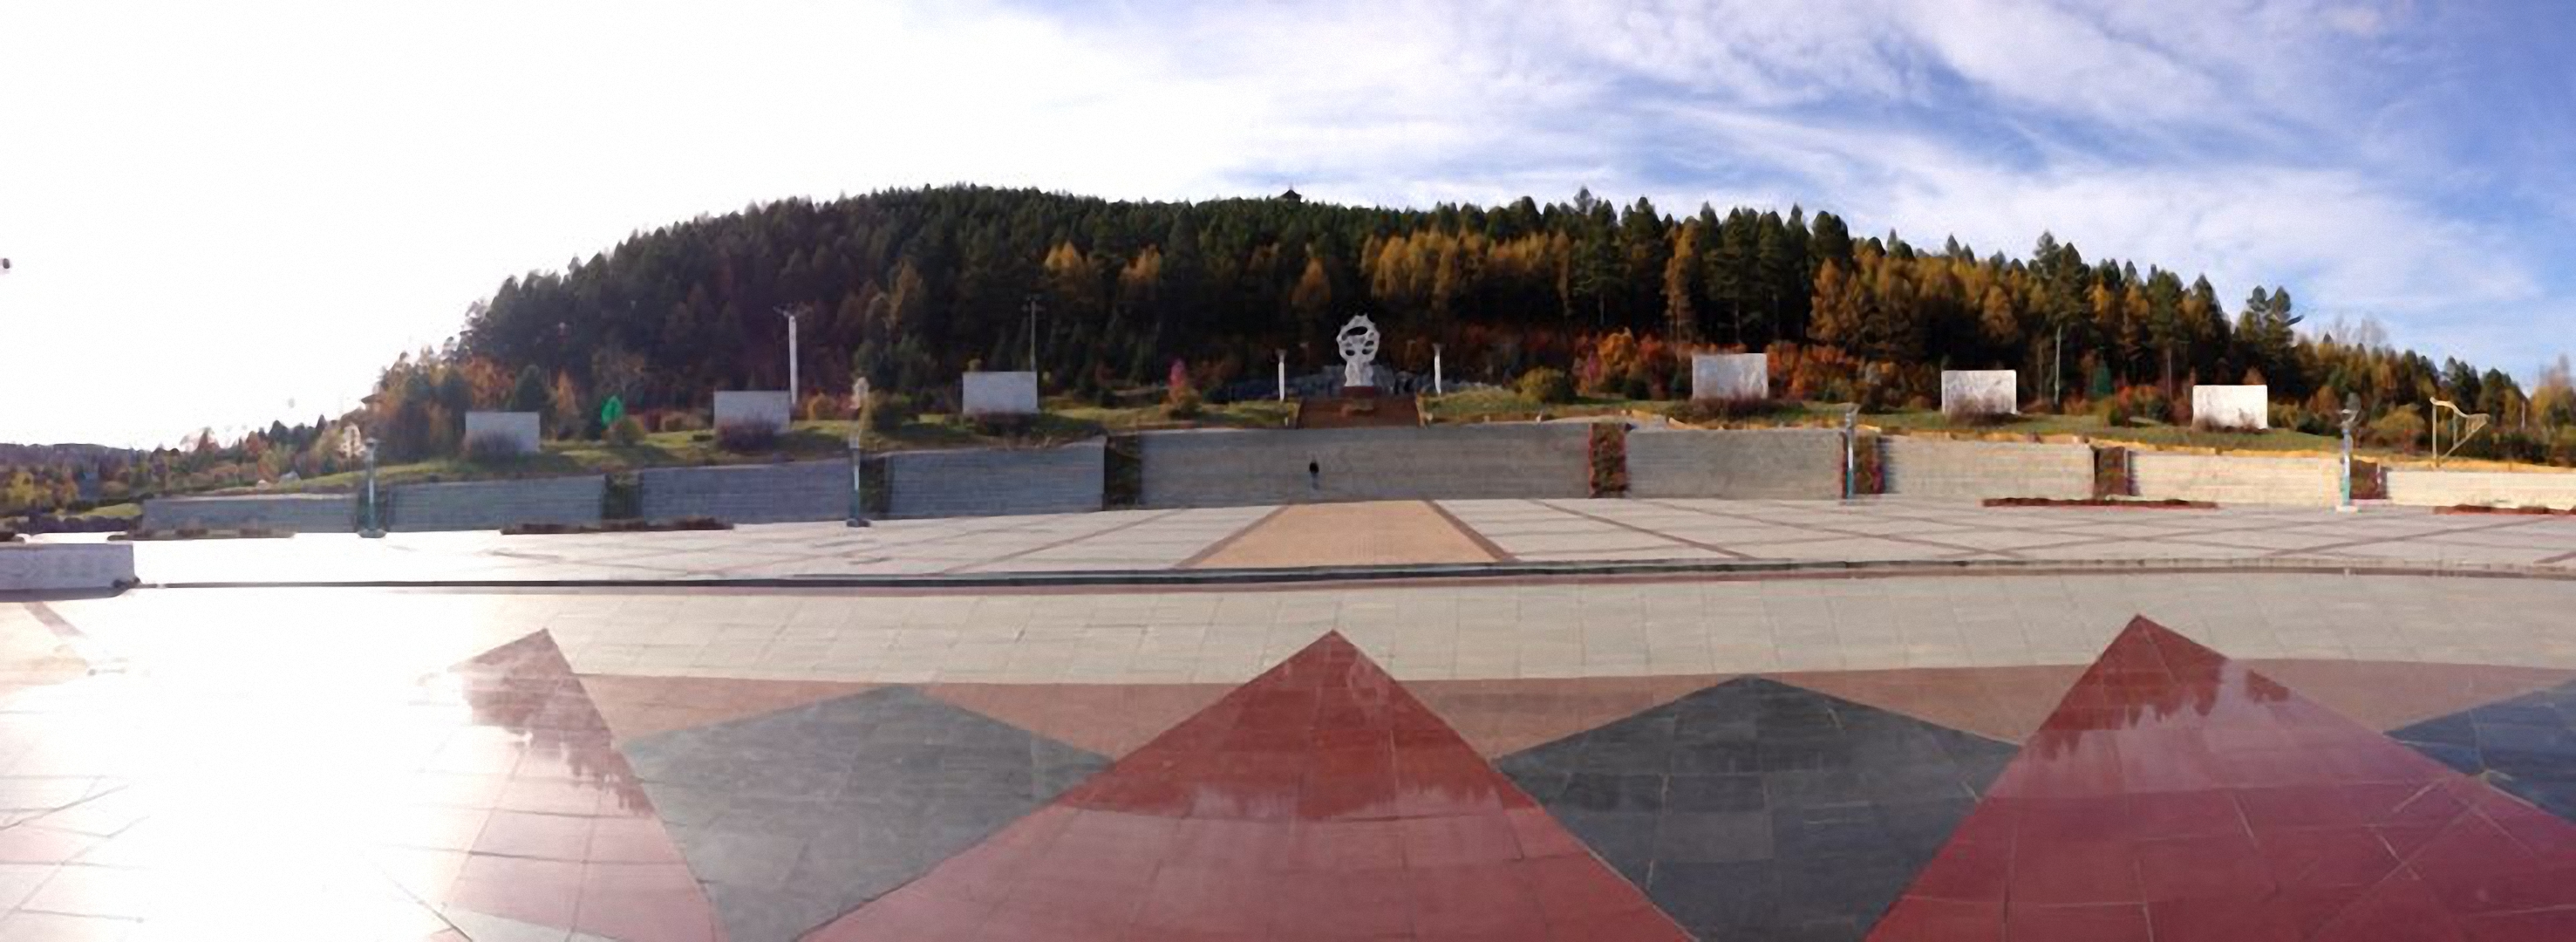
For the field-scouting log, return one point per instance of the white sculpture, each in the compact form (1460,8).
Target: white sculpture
(1358,342)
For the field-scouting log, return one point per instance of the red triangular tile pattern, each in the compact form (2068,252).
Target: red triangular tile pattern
(2387,695)
(529,813)
(1108,719)
(2176,795)
(2001,703)
(1503,716)
(1320,801)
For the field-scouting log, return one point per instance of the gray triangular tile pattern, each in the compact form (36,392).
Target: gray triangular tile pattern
(792,818)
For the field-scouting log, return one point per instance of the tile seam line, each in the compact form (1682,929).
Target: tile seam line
(1127,582)
(1936,544)
(1209,551)
(1624,525)
(2476,528)
(1473,535)
(1057,544)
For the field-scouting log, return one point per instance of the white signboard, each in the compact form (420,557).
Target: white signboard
(1000,394)
(517,428)
(2233,407)
(768,408)
(1735,377)
(1980,392)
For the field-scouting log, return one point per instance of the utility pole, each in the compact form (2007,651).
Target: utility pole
(790,315)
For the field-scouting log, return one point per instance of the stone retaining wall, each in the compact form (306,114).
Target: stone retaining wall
(1235,468)
(298,513)
(2428,488)
(995,481)
(57,566)
(765,493)
(1767,464)
(492,505)
(1969,470)
(2237,479)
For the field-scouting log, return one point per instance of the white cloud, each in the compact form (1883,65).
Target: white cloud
(218,210)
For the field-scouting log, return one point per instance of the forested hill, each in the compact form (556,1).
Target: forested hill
(914,285)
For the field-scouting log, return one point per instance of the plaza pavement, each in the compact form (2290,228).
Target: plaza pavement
(665,762)
(1394,533)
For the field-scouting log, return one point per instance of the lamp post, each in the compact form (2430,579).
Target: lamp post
(2351,411)
(1438,388)
(1851,451)
(1033,332)
(858,455)
(375,528)
(790,315)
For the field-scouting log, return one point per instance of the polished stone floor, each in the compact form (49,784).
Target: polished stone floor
(1394,532)
(2043,757)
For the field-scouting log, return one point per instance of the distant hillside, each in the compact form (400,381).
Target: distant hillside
(910,287)
(13,455)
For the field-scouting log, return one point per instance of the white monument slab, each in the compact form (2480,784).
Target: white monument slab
(519,429)
(1358,342)
(1732,377)
(1001,393)
(49,566)
(749,408)
(2234,407)
(1980,392)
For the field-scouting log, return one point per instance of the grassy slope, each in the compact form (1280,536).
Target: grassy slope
(1499,404)
(804,440)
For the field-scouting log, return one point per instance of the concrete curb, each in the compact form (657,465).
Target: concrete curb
(1670,570)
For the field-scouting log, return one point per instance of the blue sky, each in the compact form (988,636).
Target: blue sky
(267,200)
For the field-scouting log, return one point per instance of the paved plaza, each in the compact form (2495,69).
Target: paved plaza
(2010,749)
(1393,533)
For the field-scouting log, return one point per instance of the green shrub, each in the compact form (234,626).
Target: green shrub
(681,421)
(744,438)
(1546,384)
(2136,402)
(886,412)
(491,447)
(2400,429)
(626,432)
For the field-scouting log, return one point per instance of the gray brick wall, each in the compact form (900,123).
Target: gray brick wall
(989,482)
(491,505)
(1234,468)
(764,493)
(1969,470)
(1777,464)
(2427,488)
(299,513)
(2237,479)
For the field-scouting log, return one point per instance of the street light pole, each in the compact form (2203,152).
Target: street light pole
(1033,333)
(375,528)
(858,454)
(790,315)
(1851,451)
(2351,411)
